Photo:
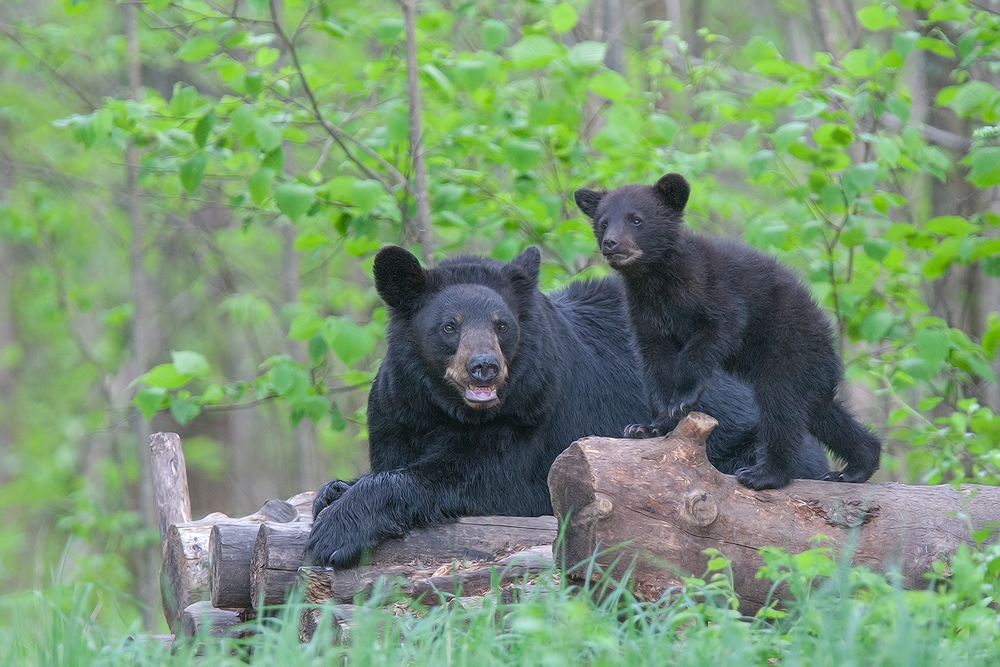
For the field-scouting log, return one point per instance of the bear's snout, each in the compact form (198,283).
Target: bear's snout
(483,368)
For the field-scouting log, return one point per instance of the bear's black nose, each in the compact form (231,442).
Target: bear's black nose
(483,368)
(609,245)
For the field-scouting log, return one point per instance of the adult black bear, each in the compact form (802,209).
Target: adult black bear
(699,304)
(484,382)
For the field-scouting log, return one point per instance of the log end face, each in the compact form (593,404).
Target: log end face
(571,481)
(700,509)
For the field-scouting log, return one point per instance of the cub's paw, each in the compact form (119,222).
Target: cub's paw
(847,475)
(333,543)
(759,477)
(639,431)
(681,404)
(328,494)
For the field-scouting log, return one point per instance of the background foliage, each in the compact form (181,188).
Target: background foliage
(208,228)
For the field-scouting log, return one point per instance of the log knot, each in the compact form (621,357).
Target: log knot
(700,508)
(846,513)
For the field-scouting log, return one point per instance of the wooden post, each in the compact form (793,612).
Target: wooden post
(170,485)
(664,503)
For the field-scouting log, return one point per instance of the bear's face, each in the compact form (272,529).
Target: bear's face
(461,322)
(470,332)
(636,224)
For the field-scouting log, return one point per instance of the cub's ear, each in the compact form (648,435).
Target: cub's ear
(588,200)
(674,190)
(399,278)
(526,265)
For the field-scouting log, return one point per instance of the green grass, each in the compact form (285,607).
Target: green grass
(839,616)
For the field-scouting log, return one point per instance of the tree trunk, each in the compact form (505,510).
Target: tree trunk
(664,503)
(279,550)
(418,228)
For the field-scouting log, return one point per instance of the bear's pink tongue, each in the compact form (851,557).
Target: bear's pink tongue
(481,394)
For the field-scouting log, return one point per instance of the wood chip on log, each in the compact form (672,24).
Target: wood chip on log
(279,550)
(664,503)
(419,582)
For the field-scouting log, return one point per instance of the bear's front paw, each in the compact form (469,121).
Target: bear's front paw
(761,477)
(639,431)
(681,404)
(333,543)
(328,494)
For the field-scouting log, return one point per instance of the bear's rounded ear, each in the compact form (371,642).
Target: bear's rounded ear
(399,278)
(527,264)
(674,190)
(588,200)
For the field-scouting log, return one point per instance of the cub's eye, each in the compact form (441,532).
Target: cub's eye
(636,221)
(449,328)
(501,327)
(602,224)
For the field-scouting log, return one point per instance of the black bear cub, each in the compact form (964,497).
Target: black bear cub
(699,304)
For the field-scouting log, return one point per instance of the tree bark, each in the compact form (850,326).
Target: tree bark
(142,326)
(279,550)
(663,502)
(417,229)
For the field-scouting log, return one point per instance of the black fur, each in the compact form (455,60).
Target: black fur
(701,304)
(573,371)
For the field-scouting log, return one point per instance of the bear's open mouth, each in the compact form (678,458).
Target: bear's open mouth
(476,394)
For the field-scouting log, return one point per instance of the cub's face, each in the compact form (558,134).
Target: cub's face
(635,224)
(469,336)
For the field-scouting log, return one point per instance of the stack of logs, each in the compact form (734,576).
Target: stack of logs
(220,571)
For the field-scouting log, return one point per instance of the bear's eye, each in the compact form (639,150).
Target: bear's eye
(449,328)
(636,221)
(501,327)
(602,224)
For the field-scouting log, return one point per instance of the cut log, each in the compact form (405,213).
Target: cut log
(202,617)
(186,574)
(170,485)
(279,550)
(230,548)
(663,503)
(322,584)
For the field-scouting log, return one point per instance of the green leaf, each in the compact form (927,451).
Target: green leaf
(268,134)
(609,84)
(288,380)
(183,410)
(788,134)
(936,46)
(266,56)
(985,171)
(149,400)
(877,249)
(165,376)
(388,30)
(759,163)
(876,325)
(949,225)
(916,368)
(438,78)
(366,194)
(877,18)
(991,337)
(904,42)
(859,179)
(534,51)
(860,63)
(352,342)
(969,99)
(337,421)
(586,55)
(196,48)
(665,127)
(932,345)
(260,184)
(494,34)
(318,347)
(243,121)
(305,327)
(192,170)
(469,74)
(563,17)
(523,155)
(294,199)
(311,406)
(190,363)
(833,135)
(203,128)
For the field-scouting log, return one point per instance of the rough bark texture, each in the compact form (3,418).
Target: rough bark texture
(421,582)
(663,502)
(170,485)
(230,549)
(418,228)
(187,569)
(201,615)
